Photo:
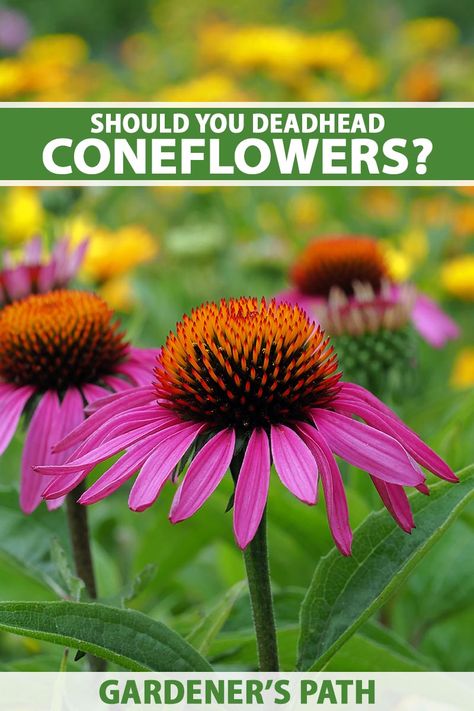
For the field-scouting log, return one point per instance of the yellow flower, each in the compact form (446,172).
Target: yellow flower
(463,220)
(329,50)
(462,375)
(118,293)
(252,47)
(457,277)
(21,215)
(362,75)
(305,210)
(400,266)
(428,34)
(213,86)
(12,78)
(415,244)
(64,50)
(112,253)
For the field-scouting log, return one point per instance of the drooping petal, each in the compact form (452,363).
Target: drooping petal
(119,472)
(294,463)
(392,425)
(204,475)
(367,448)
(98,419)
(161,463)
(12,402)
(396,502)
(333,487)
(104,451)
(37,445)
(251,490)
(51,419)
(435,326)
(133,397)
(93,392)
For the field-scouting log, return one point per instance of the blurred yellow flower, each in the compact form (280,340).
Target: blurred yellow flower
(400,266)
(463,219)
(462,375)
(305,209)
(112,253)
(381,202)
(61,50)
(457,277)
(118,293)
(329,50)
(213,86)
(251,47)
(21,215)
(415,244)
(12,78)
(362,75)
(428,34)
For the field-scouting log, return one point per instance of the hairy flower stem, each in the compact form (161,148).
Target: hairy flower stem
(258,575)
(81,549)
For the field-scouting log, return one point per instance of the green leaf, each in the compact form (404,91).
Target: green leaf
(125,637)
(74,585)
(362,654)
(346,591)
(203,635)
(138,584)
(27,541)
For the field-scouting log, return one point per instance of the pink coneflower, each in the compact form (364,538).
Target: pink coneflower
(58,352)
(36,276)
(341,263)
(242,384)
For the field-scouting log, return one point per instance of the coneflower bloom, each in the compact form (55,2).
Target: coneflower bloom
(58,352)
(239,385)
(33,275)
(341,263)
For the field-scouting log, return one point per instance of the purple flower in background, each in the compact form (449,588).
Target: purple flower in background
(14,29)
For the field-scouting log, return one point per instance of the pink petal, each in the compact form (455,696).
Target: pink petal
(333,487)
(410,441)
(104,451)
(12,402)
(94,392)
(367,448)
(104,417)
(134,397)
(37,447)
(161,463)
(119,472)
(118,385)
(396,501)
(435,326)
(251,490)
(51,419)
(203,476)
(294,463)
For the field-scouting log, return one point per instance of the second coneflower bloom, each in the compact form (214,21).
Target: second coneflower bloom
(58,352)
(239,385)
(341,265)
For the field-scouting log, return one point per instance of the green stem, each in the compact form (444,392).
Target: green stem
(258,574)
(82,553)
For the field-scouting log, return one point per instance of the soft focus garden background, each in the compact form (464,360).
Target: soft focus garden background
(154,253)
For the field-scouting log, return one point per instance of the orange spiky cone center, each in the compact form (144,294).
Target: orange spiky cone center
(245,363)
(339,262)
(59,339)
